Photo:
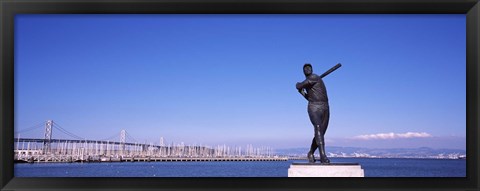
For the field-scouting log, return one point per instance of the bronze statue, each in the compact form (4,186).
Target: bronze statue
(313,89)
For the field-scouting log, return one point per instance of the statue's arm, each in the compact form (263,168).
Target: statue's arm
(304,94)
(302,85)
(305,84)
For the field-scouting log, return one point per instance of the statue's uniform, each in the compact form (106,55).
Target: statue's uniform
(318,109)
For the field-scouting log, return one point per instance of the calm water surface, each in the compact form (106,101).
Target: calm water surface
(372,168)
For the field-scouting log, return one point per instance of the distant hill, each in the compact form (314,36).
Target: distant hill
(422,152)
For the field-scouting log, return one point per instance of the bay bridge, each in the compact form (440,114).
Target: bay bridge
(121,147)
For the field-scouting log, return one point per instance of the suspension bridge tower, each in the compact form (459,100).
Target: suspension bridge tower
(48,136)
(123,134)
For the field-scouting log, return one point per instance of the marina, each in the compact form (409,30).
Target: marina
(127,149)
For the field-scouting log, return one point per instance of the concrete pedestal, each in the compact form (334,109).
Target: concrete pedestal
(325,170)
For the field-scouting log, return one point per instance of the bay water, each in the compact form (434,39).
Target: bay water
(373,167)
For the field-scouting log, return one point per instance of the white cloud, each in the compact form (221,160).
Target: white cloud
(393,136)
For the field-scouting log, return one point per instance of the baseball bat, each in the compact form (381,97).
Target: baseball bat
(331,70)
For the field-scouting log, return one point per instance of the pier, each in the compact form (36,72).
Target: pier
(32,156)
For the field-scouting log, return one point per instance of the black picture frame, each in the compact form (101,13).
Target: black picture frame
(8,9)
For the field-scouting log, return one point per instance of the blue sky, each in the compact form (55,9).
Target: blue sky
(230,79)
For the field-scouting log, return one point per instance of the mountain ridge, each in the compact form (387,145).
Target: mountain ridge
(420,152)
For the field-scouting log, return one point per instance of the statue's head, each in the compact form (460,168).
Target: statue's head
(307,69)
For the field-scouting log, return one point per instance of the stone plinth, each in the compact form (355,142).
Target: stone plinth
(325,170)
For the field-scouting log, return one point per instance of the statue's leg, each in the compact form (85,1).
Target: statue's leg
(325,121)
(319,138)
(312,114)
(313,147)
(320,131)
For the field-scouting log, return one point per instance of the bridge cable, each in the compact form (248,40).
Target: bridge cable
(130,137)
(67,132)
(29,129)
